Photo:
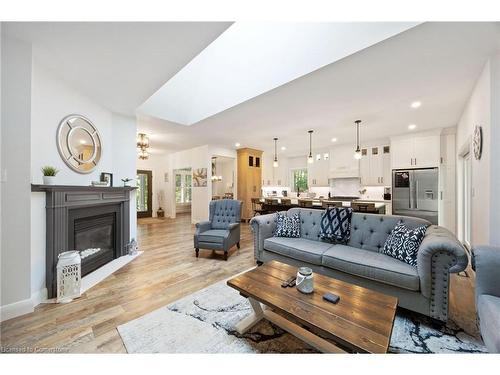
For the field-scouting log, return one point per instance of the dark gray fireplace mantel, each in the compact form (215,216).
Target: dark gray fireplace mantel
(60,200)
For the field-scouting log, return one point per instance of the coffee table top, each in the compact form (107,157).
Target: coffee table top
(361,321)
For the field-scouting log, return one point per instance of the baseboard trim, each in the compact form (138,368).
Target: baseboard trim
(39,296)
(16,309)
(22,307)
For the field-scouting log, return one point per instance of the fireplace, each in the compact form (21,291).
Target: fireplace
(94,229)
(90,218)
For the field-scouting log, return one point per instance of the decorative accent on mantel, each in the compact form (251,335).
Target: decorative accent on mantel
(84,217)
(46,188)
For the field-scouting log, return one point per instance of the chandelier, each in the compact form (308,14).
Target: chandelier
(142,145)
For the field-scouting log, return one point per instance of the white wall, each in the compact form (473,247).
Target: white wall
(476,112)
(495,151)
(15,206)
(34,102)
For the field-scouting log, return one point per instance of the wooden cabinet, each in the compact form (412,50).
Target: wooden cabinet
(417,151)
(249,179)
(375,166)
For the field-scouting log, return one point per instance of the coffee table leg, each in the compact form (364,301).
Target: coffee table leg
(252,319)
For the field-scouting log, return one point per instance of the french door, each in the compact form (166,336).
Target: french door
(144,193)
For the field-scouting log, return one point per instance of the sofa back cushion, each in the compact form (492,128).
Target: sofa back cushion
(224,212)
(310,222)
(370,231)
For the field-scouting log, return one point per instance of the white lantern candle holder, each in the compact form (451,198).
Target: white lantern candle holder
(69,276)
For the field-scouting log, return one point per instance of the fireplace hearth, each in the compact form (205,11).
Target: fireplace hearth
(95,220)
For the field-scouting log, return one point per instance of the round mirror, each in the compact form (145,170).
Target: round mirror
(79,143)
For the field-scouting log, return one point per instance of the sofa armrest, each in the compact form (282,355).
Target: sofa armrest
(439,255)
(486,260)
(203,226)
(263,227)
(233,226)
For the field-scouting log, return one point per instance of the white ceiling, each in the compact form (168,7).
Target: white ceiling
(435,63)
(117,64)
(251,58)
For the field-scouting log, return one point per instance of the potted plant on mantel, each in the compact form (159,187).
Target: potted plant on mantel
(49,175)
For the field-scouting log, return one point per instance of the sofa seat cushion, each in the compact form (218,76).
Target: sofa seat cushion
(297,248)
(372,265)
(213,236)
(488,308)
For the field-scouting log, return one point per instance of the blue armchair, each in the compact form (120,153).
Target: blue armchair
(486,263)
(222,230)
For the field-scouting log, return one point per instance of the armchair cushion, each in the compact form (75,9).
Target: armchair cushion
(213,236)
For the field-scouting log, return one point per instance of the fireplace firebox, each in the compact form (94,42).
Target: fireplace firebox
(90,218)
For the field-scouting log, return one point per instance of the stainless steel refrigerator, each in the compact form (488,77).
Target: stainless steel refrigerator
(415,193)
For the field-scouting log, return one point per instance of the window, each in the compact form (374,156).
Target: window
(183,183)
(467,197)
(299,180)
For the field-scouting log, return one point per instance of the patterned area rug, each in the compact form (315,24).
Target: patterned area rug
(204,322)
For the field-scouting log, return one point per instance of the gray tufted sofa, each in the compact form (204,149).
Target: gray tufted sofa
(486,263)
(423,289)
(222,230)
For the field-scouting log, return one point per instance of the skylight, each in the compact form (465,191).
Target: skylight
(249,59)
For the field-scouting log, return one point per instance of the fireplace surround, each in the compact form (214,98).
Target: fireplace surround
(84,217)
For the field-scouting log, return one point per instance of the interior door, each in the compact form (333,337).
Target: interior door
(144,193)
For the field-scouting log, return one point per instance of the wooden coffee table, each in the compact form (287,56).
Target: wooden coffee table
(360,322)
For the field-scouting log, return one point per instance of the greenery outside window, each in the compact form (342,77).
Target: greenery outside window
(183,183)
(299,180)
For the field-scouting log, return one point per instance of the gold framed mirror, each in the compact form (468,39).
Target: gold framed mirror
(79,143)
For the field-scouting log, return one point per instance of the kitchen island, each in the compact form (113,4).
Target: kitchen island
(275,204)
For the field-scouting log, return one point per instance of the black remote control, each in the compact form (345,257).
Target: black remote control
(287,282)
(332,298)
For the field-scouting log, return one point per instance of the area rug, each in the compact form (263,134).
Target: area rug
(204,322)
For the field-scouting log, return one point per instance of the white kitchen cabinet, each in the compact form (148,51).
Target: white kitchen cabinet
(272,176)
(317,172)
(447,184)
(342,162)
(416,151)
(375,168)
(427,151)
(402,150)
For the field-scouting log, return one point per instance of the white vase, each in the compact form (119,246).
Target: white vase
(49,180)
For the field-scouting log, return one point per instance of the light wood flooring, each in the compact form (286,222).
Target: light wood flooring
(167,271)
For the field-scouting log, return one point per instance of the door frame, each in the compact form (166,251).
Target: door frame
(149,212)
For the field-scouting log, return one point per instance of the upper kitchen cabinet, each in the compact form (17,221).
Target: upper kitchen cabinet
(342,162)
(375,166)
(317,172)
(415,151)
(272,176)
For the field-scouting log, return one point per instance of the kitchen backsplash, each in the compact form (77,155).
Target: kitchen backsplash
(348,187)
(373,192)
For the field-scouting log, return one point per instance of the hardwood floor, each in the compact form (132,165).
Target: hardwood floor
(167,271)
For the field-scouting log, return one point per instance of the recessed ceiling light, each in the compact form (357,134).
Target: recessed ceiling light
(416,104)
(237,144)
(412,127)
(283,148)
(334,139)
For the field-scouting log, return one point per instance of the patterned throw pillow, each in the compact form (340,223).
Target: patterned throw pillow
(403,243)
(287,226)
(336,225)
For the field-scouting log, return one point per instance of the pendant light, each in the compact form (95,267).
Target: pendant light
(275,161)
(310,158)
(357,153)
